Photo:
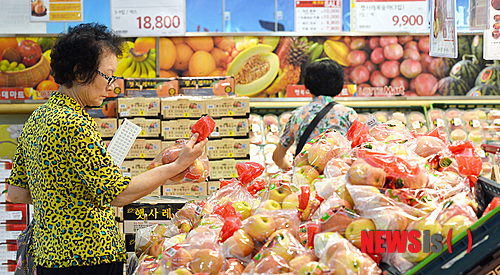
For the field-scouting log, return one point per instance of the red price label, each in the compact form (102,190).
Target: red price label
(159,22)
(411,20)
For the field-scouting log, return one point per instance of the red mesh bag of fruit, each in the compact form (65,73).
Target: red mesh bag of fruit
(204,126)
(196,172)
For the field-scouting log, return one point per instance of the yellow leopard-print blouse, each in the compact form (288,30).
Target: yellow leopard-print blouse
(62,160)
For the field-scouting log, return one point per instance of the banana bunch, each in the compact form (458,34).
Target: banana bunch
(137,66)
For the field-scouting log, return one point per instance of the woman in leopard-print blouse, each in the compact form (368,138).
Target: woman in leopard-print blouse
(63,168)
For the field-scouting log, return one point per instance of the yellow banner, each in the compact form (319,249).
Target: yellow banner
(65,16)
(65,7)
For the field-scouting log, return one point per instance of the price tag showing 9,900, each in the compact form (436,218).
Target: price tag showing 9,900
(390,16)
(148,17)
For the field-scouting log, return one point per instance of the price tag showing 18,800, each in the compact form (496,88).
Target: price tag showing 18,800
(148,17)
(390,16)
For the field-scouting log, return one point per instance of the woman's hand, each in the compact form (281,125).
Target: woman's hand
(190,152)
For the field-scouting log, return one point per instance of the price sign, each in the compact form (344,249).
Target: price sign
(390,16)
(318,16)
(148,17)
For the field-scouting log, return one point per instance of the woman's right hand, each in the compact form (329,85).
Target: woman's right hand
(190,152)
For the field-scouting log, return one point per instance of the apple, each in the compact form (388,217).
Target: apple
(353,231)
(346,261)
(196,171)
(239,245)
(183,225)
(320,153)
(284,222)
(458,224)
(157,248)
(301,260)
(282,243)
(153,165)
(259,226)
(207,260)
(180,259)
(308,175)
(271,205)
(244,208)
(312,268)
(181,271)
(278,194)
(391,219)
(273,264)
(233,267)
(343,193)
(426,224)
(301,159)
(417,182)
(30,52)
(337,219)
(291,202)
(362,173)
(416,257)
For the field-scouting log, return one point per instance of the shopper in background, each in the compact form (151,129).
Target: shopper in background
(324,79)
(63,168)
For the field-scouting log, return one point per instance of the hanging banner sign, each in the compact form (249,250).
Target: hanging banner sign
(491,35)
(443,29)
(318,16)
(389,16)
(148,17)
(56,11)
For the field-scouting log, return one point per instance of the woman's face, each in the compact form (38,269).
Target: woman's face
(97,91)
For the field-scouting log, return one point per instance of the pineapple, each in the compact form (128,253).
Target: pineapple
(292,52)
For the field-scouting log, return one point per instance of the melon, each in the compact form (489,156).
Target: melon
(489,74)
(484,90)
(451,86)
(467,69)
(464,46)
(254,69)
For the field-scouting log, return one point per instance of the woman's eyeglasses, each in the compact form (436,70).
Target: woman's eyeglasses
(110,79)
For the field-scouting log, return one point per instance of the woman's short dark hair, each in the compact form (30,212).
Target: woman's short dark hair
(76,54)
(324,77)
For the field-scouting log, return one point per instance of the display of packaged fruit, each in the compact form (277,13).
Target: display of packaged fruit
(476,136)
(256,129)
(471,120)
(482,113)
(399,116)
(271,129)
(417,122)
(454,120)
(381,116)
(457,135)
(437,119)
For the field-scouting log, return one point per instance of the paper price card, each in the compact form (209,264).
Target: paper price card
(318,16)
(443,34)
(492,33)
(148,17)
(389,16)
(56,11)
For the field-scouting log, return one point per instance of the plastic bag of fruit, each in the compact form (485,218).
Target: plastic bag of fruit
(392,130)
(335,214)
(255,230)
(316,153)
(339,255)
(385,212)
(200,252)
(145,237)
(196,172)
(232,191)
(282,253)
